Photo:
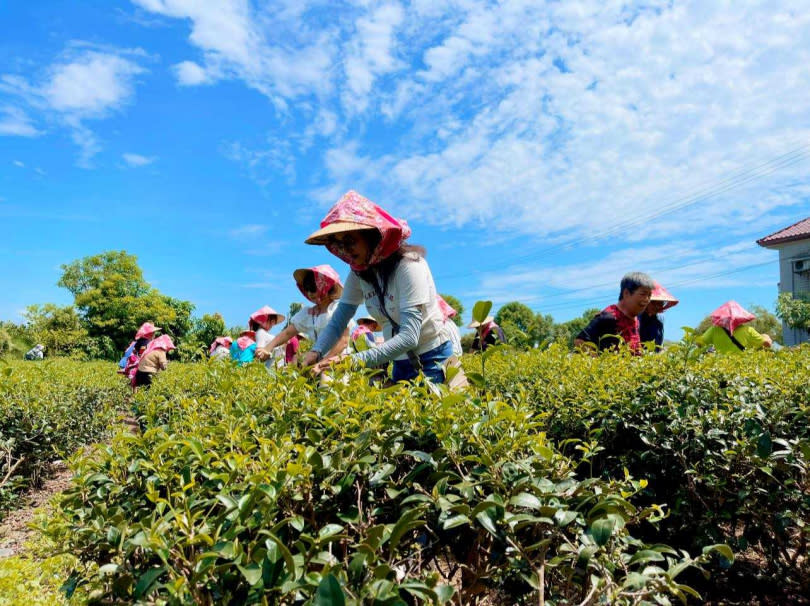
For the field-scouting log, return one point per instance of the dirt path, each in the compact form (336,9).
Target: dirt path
(14,530)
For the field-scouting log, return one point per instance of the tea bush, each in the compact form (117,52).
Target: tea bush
(246,488)
(723,440)
(47,410)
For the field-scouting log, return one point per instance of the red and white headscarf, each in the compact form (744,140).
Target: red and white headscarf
(731,315)
(164,342)
(354,208)
(326,278)
(220,341)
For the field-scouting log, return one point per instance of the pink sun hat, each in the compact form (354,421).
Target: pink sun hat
(731,315)
(661,294)
(261,316)
(224,341)
(146,329)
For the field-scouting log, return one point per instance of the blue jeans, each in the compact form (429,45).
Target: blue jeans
(431,365)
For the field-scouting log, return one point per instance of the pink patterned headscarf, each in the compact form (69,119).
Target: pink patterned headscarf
(147,329)
(326,279)
(246,339)
(223,341)
(164,342)
(731,315)
(447,311)
(354,208)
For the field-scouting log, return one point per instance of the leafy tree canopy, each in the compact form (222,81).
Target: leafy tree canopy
(59,329)
(113,298)
(795,311)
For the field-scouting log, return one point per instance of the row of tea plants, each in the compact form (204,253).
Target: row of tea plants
(724,441)
(47,411)
(244,488)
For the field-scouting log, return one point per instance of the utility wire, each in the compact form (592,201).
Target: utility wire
(734,181)
(581,303)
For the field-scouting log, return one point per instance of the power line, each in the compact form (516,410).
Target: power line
(734,181)
(581,303)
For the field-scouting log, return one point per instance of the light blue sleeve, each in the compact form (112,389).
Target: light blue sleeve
(404,341)
(337,324)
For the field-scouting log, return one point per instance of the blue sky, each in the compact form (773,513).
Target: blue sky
(539,150)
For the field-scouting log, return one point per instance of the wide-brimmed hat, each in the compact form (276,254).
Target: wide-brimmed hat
(476,324)
(323,235)
(369,320)
(661,294)
(326,279)
(354,212)
(146,329)
(730,315)
(262,315)
(223,341)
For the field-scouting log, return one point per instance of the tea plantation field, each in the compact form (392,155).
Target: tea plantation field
(560,479)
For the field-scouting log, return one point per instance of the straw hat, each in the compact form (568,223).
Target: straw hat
(248,333)
(475,324)
(323,234)
(661,294)
(263,314)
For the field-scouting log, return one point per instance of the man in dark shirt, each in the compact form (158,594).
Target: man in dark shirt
(619,323)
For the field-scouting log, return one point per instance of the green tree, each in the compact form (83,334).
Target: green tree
(113,299)
(795,311)
(59,329)
(766,323)
(568,331)
(518,323)
(543,329)
(457,305)
(207,328)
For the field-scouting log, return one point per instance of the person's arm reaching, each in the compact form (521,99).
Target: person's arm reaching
(263,353)
(331,334)
(405,340)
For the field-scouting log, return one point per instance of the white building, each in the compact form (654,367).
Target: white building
(793,244)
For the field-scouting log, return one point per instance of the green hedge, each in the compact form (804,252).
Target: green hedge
(48,409)
(251,489)
(723,440)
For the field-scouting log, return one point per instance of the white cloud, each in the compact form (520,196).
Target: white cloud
(561,119)
(137,160)
(87,83)
(265,48)
(18,164)
(371,53)
(679,265)
(191,74)
(90,85)
(15,122)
